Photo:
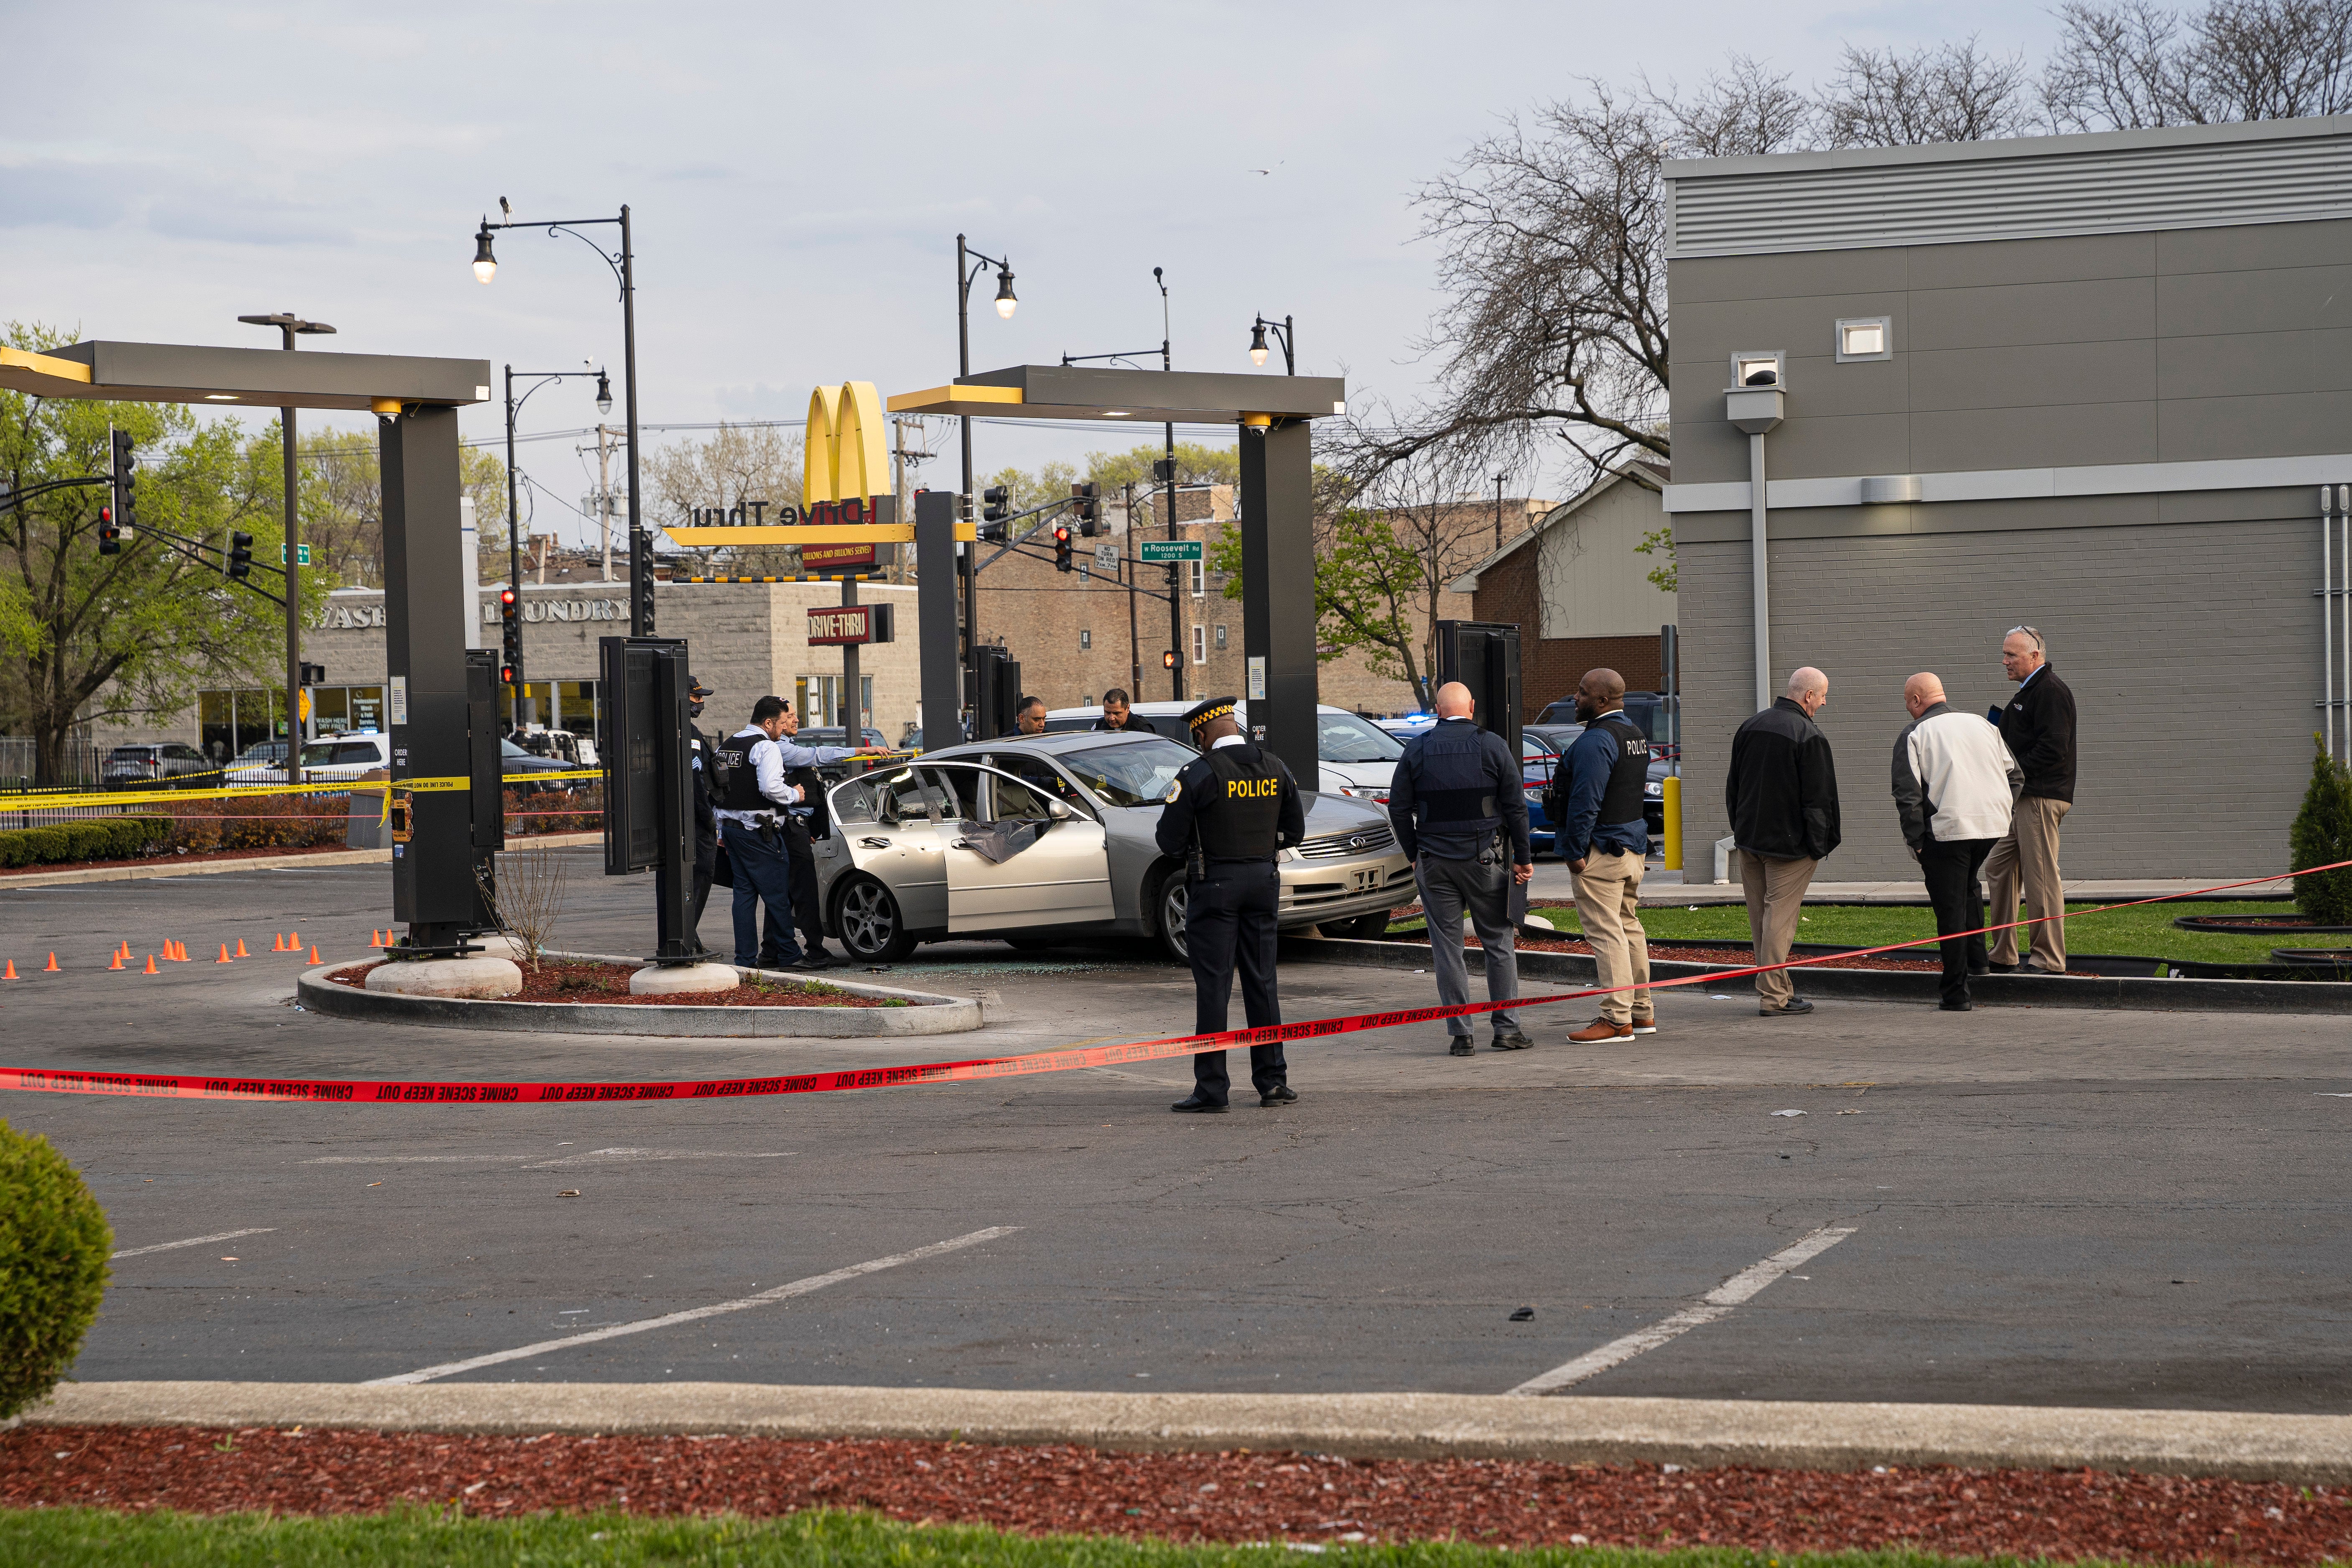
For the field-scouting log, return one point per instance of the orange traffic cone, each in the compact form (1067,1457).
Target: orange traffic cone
(171,951)
(240,949)
(12,971)
(116,963)
(375,936)
(180,950)
(314,953)
(224,958)
(52,969)
(277,941)
(125,950)
(150,964)
(293,942)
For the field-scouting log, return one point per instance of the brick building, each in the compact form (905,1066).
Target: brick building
(1579,591)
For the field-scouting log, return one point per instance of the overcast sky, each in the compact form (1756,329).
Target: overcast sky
(797,175)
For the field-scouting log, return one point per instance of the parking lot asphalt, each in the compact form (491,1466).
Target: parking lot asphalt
(2058,1207)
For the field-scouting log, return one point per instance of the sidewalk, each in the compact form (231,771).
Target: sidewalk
(1553,885)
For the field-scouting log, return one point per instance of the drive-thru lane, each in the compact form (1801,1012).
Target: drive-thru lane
(2055,1208)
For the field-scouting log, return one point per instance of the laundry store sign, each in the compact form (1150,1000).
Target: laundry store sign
(537,610)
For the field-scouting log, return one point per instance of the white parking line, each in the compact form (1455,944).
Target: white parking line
(192,1241)
(1717,1303)
(669,1320)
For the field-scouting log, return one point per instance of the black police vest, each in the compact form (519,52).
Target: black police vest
(1239,815)
(1451,790)
(742,791)
(1629,775)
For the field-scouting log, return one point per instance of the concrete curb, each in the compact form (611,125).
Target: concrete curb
(2113,992)
(2303,1449)
(927,1014)
(163,867)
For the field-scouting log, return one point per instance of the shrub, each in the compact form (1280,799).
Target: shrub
(54,1241)
(2322,835)
(100,838)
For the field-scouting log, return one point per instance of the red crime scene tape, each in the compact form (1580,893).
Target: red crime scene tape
(390,1091)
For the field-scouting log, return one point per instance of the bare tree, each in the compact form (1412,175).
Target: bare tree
(1554,253)
(733,467)
(1953,92)
(2131,65)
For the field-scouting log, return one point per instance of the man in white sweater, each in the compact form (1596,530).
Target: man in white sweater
(1955,783)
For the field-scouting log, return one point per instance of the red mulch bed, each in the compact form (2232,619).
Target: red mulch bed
(1234,1497)
(561,980)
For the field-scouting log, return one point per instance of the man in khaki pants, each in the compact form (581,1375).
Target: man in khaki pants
(1780,795)
(1606,842)
(2038,724)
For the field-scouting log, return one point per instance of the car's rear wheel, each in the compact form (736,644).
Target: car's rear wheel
(872,927)
(1167,915)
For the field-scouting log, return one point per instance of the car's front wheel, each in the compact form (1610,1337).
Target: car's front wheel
(872,927)
(1167,915)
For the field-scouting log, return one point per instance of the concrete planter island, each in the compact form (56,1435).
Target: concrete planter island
(926,1013)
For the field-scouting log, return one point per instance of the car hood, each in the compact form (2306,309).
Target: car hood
(1340,814)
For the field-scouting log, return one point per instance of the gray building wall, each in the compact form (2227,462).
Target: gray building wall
(2121,348)
(2187,643)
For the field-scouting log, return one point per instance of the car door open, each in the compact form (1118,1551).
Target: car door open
(887,822)
(1015,859)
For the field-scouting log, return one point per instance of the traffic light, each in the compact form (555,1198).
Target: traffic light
(1167,659)
(1062,562)
(126,486)
(314,675)
(510,638)
(240,555)
(997,506)
(1088,497)
(110,536)
(1163,471)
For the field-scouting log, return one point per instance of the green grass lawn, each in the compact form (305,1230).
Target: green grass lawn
(2147,931)
(67,1537)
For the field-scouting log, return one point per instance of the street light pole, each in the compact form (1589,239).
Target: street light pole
(1284,331)
(623,266)
(520,710)
(289,325)
(969,263)
(1498,512)
(1175,599)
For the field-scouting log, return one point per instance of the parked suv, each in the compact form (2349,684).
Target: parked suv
(1645,709)
(339,759)
(127,766)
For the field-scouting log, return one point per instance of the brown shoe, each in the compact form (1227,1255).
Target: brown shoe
(1601,1029)
(1644,1026)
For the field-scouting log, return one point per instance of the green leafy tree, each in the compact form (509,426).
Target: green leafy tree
(1660,542)
(342,503)
(137,634)
(2322,835)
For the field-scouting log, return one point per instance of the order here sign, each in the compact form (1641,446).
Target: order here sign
(838,623)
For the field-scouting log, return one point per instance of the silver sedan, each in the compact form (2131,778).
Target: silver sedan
(1028,839)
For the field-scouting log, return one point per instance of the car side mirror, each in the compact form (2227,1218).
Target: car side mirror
(1058,811)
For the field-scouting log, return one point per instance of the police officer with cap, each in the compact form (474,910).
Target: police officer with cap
(1228,813)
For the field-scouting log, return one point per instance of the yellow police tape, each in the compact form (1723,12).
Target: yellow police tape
(249,791)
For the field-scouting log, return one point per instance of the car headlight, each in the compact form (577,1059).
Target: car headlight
(1655,790)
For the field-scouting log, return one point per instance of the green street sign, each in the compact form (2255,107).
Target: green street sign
(302,550)
(1164,551)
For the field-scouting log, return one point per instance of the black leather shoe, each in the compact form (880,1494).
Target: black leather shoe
(1514,1041)
(1195,1102)
(1959,1004)
(1997,969)
(1797,1004)
(816,958)
(1461,1047)
(1280,1094)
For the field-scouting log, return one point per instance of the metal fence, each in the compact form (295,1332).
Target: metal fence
(19,765)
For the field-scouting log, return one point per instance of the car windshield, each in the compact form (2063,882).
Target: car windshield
(1136,772)
(319,753)
(1532,747)
(1346,738)
(128,754)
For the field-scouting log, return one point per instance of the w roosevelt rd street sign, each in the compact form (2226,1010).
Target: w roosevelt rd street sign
(1169,551)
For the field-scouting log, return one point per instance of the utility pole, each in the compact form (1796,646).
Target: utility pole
(1175,599)
(1134,646)
(1498,512)
(289,325)
(604,492)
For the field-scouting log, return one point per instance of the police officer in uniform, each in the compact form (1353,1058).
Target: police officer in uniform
(1227,814)
(707,784)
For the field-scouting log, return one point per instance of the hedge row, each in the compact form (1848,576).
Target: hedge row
(105,838)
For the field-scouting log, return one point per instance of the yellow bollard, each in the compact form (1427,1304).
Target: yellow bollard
(1674,791)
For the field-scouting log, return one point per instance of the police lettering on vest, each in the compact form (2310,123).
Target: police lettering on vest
(1629,775)
(742,789)
(1240,817)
